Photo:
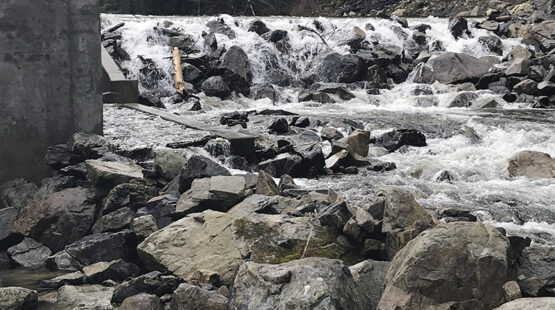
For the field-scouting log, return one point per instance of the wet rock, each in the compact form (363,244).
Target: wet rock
(87,146)
(16,194)
(192,74)
(117,270)
(450,68)
(287,182)
(463,100)
(74,278)
(132,195)
(544,303)
(261,91)
(215,193)
(109,174)
(280,126)
(219,26)
(279,77)
(336,68)
(546,88)
(395,139)
(538,262)
(486,103)
(196,167)
(369,275)
(301,122)
(310,283)
(85,297)
(188,296)
(438,252)
(186,43)
(532,164)
(339,91)
(63,261)
(458,26)
(330,134)
(259,27)
(150,99)
(527,86)
(142,301)
(4,261)
(377,77)
(150,283)
(144,226)
(344,159)
(17,298)
(266,185)
(281,164)
(7,217)
(358,141)
(29,253)
(218,242)
(161,208)
(103,247)
(237,71)
(492,43)
(312,163)
(316,96)
(58,219)
(455,215)
(216,87)
(114,221)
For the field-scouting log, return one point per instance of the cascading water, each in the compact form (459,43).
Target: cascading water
(476,163)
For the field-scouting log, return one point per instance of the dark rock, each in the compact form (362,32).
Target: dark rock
(58,219)
(29,253)
(281,164)
(58,156)
(486,103)
(458,26)
(114,221)
(312,163)
(276,36)
(449,68)
(104,247)
(17,298)
(55,184)
(188,296)
(87,146)
(144,226)
(329,283)
(4,261)
(161,208)
(185,43)
(422,27)
(74,278)
(377,77)
(132,195)
(261,91)
(280,126)
(485,81)
(279,77)
(117,270)
(142,301)
(216,87)
(301,122)
(339,91)
(286,182)
(336,68)
(492,43)
(7,217)
(219,26)
(335,215)
(369,275)
(419,37)
(395,139)
(192,74)
(237,71)
(234,118)
(258,27)
(150,99)
(196,167)
(152,283)
(455,215)
(266,185)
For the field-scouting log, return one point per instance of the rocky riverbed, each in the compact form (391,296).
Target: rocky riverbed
(394,164)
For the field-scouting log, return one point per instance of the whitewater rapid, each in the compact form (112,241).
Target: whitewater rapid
(479,166)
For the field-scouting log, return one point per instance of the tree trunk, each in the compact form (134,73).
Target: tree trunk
(179,82)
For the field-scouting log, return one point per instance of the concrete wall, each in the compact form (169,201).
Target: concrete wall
(50,73)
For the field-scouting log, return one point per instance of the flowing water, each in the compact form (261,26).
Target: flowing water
(473,146)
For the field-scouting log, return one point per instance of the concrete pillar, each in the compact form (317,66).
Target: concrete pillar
(50,73)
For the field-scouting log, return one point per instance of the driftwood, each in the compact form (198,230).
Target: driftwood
(301,27)
(179,82)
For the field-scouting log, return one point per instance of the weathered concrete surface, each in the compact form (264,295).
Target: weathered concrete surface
(49,78)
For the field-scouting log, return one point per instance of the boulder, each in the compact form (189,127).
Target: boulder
(369,275)
(87,146)
(358,141)
(58,219)
(538,262)
(377,77)
(219,242)
(29,253)
(63,261)
(196,167)
(161,208)
(532,164)
(220,26)
(454,265)
(132,195)
(142,301)
(266,185)
(337,68)
(144,226)
(109,174)
(103,247)
(7,217)
(463,100)
(150,283)
(279,77)
(150,99)
(73,278)
(188,296)
(492,44)
(266,90)
(16,194)
(114,221)
(527,86)
(543,303)
(185,43)
(279,126)
(117,270)
(281,164)
(192,74)
(458,26)
(216,86)
(264,205)
(216,193)
(486,103)
(395,139)
(168,163)
(330,134)
(95,297)
(17,298)
(259,27)
(237,71)
(452,68)
(55,184)
(344,159)
(518,67)
(309,283)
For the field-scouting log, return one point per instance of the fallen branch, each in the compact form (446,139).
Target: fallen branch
(301,27)
(179,82)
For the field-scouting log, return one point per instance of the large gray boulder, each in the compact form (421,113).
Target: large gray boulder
(188,296)
(543,303)
(337,68)
(7,216)
(142,301)
(532,164)
(309,283)
(16,193)
(369,275)
(220,242)
(117,270)
(17,298)
(454,265)
(196,167)
(451,68)
(169,162)
(111,173)
(538,262)
(58,219)
(114,221)
(237,70)
(95,297)
(216,86)
(29,253)
(103,247)
(216,193)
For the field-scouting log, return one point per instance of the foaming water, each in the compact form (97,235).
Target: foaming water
(477,163)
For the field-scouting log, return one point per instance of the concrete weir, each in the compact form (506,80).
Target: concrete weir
(50,71)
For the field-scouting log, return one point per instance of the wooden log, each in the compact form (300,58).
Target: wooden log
(179,82)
